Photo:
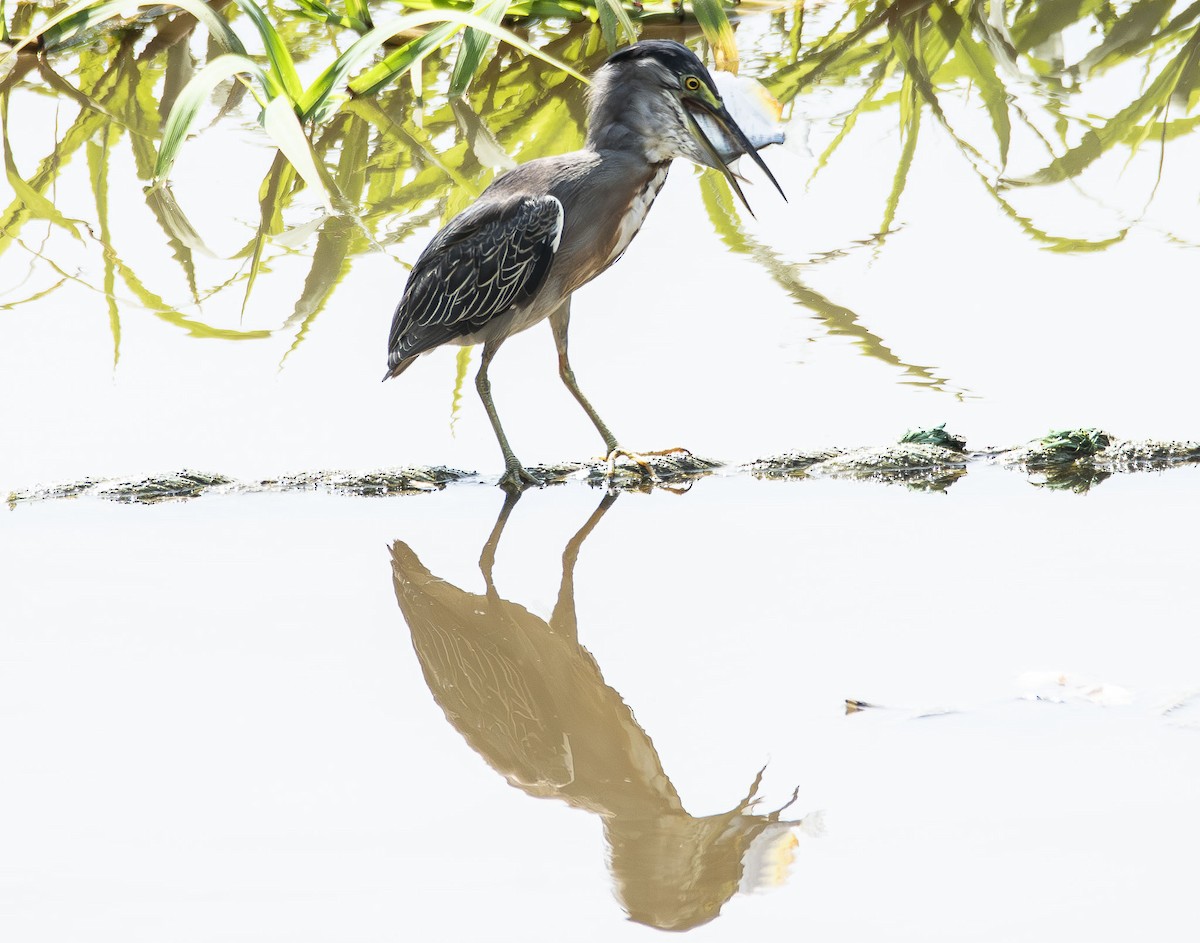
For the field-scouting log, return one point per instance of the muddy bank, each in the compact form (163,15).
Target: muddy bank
(924,460)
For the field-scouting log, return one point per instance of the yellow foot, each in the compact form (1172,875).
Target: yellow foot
(639,459)
(516,478)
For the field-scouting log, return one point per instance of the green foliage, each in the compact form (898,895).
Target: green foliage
(928,56)
(934,436)
(989,77)
(1070,444)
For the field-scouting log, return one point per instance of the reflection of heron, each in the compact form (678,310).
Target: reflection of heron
(532,702)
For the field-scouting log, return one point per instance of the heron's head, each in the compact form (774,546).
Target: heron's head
(656,98)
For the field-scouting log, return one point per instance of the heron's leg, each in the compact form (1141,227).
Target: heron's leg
(515,477)
(559,322)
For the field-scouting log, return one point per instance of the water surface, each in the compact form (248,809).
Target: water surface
(304,717)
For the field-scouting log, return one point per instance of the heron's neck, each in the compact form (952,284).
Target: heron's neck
(624,126)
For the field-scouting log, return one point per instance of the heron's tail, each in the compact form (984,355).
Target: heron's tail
(395,369)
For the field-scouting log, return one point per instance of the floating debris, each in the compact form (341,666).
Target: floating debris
(1060,687)
(853,707)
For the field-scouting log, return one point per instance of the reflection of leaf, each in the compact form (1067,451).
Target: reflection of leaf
(36,204)
(193,98)
(1038,22)
(97,156)
(1139,25)
(336,243)
(847,125)
(83,16)
(270,201)
(910,124)
(281,123)
(979,63)
(1180,75)
(838,320)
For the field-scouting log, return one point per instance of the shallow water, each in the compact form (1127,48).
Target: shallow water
(305,717)
(222,724)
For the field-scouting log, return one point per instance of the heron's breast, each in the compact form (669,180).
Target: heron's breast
(635,213)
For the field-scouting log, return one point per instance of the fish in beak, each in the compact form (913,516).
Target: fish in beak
(722,140)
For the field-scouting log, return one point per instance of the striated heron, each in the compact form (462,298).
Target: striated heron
(546,228)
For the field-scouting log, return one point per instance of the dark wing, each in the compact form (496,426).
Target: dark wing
(488,260)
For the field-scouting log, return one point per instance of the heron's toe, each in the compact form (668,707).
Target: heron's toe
(646,468)
(517,478)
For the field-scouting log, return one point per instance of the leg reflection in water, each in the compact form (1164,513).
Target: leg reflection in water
(532,702)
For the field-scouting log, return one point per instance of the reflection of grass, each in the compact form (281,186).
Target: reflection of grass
(393,166)
(920,56)
(838,320)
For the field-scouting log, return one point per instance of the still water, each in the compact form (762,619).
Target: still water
(295,717)
(300,717)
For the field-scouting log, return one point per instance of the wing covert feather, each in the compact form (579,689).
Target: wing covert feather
(488,260)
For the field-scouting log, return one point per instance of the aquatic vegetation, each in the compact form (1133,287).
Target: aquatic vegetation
(935,436)
(1070,444)
(930,59)
(339,100)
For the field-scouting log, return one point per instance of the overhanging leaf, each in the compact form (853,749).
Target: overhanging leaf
(194,95)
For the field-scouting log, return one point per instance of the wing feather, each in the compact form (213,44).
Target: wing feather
(490,259)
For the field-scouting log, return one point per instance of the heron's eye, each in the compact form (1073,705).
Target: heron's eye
(691,83)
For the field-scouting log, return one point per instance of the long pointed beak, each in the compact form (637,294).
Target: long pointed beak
(725,122)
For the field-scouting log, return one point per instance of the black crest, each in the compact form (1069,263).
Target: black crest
(674,57)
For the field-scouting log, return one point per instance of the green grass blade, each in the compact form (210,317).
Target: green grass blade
(281,123)
(612,14)
(407,58)
(1036,23)
(187,105)
(283,69)
(608,25)
(399,62)
(359,10)
(475,45)
(710,14)
(86,15)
